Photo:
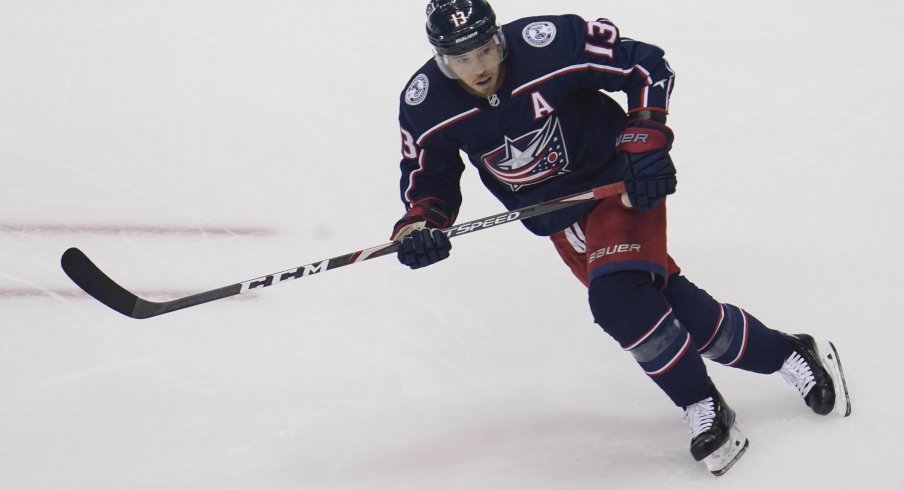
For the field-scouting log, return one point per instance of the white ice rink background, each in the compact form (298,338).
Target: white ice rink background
(187,145)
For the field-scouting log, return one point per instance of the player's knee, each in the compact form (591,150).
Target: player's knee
(609,292)
(622,301)
(696,309)
(631,310)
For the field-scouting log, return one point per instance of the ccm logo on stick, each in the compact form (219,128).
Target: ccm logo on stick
(305,270)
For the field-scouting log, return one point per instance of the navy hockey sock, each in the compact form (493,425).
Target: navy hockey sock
(725,333)
(627,306)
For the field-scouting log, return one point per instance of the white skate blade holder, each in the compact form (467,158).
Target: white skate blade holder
(722,459)
(829,357)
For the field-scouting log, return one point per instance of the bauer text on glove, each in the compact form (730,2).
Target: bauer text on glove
(642,155)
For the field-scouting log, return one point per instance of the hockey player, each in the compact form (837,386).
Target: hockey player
(523,102)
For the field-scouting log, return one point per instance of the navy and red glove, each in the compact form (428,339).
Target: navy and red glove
(421,241)
(642,155)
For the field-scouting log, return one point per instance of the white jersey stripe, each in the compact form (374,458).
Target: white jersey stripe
(745,334)
(649,332)
(445,123)
(645,93)
(579,232)
(576,238)
(674,360)
(423,152)
(668,91)
(570,69)
(715,330)
(420,168)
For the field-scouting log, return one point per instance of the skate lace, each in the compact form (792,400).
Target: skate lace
(700,416)
(797,372)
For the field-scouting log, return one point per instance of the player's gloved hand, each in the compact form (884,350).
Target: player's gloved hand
(421,241)
(642,154)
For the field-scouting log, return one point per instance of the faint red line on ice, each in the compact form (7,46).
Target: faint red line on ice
(151,295)
(89,229)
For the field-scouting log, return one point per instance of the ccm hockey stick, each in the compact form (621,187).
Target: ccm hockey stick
(96,283)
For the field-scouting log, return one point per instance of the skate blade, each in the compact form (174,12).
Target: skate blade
(832,362)
(722,459)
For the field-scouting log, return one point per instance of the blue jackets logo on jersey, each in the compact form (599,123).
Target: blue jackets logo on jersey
(531,158)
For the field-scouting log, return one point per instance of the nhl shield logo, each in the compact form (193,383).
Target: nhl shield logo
(539,34)
(531,158)
(417,90)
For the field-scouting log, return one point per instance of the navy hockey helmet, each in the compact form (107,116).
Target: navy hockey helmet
(458,27)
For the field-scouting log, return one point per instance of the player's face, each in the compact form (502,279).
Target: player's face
(478,69)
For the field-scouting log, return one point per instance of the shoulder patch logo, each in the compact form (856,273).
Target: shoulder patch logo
(539,34)
(417,90)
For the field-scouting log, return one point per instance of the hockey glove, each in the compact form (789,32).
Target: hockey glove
(642,155)
(421,241)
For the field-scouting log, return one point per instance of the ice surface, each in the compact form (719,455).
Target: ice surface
(191,144)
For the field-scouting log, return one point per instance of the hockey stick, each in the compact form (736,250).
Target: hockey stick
(93,281)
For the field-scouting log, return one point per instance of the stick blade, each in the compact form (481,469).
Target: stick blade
(93,281)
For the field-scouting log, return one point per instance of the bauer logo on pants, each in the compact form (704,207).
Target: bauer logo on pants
(614,249)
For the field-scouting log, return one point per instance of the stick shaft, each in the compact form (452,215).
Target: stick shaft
(96,283)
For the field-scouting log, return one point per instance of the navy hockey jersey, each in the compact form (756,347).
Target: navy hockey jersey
(547,132)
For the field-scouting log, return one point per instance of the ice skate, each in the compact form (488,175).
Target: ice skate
(715,437)
(816,373)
